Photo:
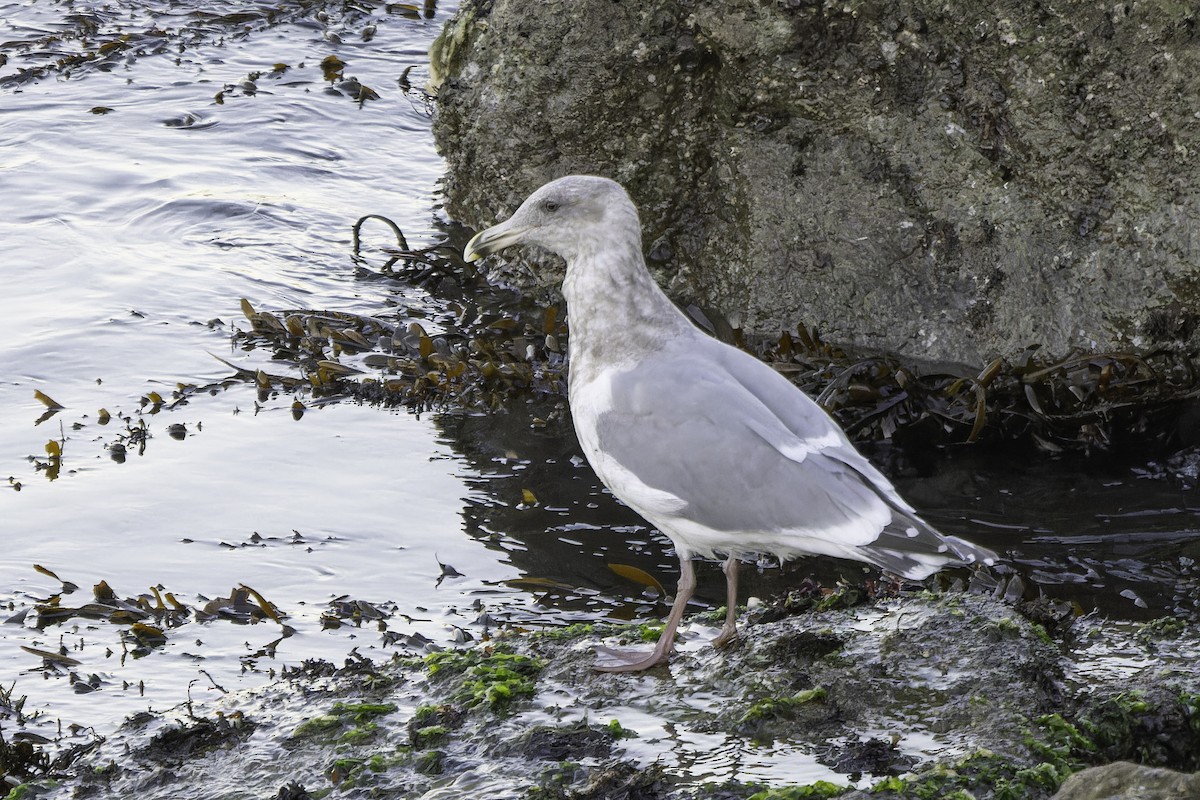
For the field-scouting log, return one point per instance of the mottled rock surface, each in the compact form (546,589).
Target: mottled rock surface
(951,180)
(1126,781)
(826,694)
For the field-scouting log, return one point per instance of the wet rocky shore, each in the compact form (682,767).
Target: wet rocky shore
(909,694)
(975,689)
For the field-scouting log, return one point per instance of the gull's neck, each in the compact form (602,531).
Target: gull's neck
(615,310)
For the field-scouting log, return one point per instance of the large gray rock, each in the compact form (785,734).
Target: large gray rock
(1126,781)
(953,180)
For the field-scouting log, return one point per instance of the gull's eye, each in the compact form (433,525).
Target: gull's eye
(550,206)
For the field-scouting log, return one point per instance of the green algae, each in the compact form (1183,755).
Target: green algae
(1191,702)
(1146,726)
(429,715)
(1040,631)
(983,768)
(360,735)
(1111,729)
(362,712)
(429,735)
(28,791)
(648,632)
(431,724)
(843,597)
(378,763)
(494,678)
(317,726)
(350,723)
(1061,742)
(776,707)
(577,630)
(453,729)
(619,731)
(643,632)
(820,789)
(346,765)
(1162,628)
(356,771)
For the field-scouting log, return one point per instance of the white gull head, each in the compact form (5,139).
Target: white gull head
(573,216)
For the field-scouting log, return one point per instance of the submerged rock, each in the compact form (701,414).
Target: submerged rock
(953,181)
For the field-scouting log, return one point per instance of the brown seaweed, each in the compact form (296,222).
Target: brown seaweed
(497,347)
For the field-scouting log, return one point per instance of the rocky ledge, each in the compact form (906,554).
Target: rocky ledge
(827,693)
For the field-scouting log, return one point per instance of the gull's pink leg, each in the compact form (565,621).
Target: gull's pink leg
(627,660)
(729,631)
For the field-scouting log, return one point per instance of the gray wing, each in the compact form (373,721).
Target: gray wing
(757,463)
(906,543)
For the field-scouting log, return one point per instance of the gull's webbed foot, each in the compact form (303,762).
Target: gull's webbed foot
(726,637)
(609,659)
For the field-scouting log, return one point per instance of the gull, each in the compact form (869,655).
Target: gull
(712,446)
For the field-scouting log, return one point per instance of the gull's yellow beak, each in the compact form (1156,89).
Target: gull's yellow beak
(492,240)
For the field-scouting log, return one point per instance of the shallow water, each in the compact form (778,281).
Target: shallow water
(129,239)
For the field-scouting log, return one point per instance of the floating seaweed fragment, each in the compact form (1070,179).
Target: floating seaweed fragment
(144,638)
(269,610)
(52,466)
(447,571)
(146,621)
(238,608)
(26,756)
(402,363)
(356,91)
(639,576)
(52,658)
(343,611)
(416,94)
(52,406)
(67,586)
(47,401)
(331,68)
(409,10)
(88,41)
